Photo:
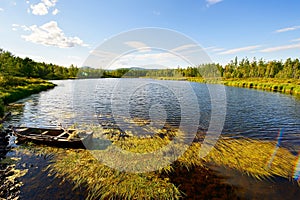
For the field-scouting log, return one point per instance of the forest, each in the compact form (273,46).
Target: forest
(13,66)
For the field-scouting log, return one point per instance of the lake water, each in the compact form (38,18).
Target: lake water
(123,103)
(249,113)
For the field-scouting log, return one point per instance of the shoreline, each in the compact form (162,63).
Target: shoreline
(10,186)
(285,86)
(22,90)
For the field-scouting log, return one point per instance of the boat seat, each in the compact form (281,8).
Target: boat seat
(44,133)
(60,135)
(22,129)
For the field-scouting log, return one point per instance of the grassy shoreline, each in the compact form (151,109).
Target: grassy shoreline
(287,86)
(23,88)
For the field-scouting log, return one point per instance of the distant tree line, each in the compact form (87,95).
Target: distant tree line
(262,69)
(11,65)
(288,69)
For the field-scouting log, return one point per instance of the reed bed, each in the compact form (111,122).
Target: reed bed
(287,86)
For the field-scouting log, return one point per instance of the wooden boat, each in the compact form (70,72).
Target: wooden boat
(69,138)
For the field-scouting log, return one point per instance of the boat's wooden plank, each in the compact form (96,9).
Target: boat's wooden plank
(60,135)
(44,133)
(22,129)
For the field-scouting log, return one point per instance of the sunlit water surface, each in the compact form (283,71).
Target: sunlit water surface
(249,113)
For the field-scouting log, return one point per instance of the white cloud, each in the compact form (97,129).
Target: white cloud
(1,9)
(185,47)
(50,34)
(213,49)
(27,2)
(237,50)
(149,60)
(217,49)
(296,40)
(281,48)
(39,9)
(212,2)
(15,27)
(135,44)
(49,3)
(209,48)
(287,29)
(55,12)
(43,7)
(74,57)
(141,47)
(187,50)
(25,28)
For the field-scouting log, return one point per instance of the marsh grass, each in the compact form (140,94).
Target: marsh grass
(257,158)
(288,86)
(106,183)
(15,93)
(15,88)
(249,156)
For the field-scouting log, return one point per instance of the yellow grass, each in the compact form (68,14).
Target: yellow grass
(249,156)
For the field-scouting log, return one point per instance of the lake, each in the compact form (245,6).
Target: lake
(123,103)
(249,113)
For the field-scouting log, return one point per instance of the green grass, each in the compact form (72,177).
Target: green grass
(15,93)
(15,88)
(251,157)
(288,86)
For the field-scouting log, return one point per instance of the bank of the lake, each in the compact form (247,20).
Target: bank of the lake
(11,90)
(19,88)
(287,86)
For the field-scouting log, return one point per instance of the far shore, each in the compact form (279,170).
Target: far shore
(287,86)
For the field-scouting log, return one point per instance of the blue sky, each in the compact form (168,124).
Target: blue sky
(65,32)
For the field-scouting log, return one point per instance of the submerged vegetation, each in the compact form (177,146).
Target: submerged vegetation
(260,159)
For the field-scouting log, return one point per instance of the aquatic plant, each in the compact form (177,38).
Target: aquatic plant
(253,157)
